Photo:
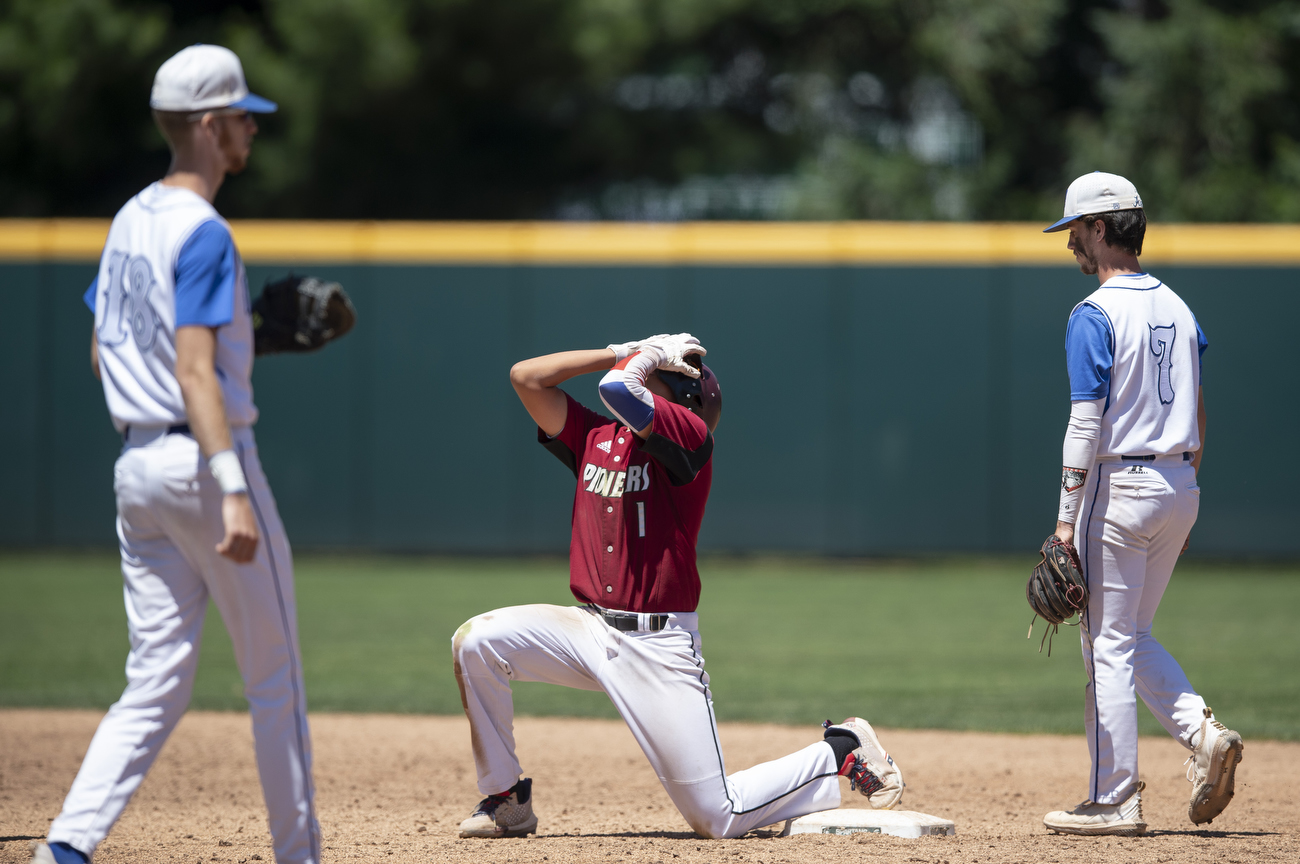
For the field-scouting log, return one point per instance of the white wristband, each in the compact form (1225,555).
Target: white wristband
(229,473)
(621,352)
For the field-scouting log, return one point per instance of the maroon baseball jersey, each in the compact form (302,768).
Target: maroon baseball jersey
(638,507)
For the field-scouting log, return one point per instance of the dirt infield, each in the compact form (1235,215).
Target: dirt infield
(395,787)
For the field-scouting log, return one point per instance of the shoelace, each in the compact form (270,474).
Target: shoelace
(489,805)
(1090,803)
(860,776)
(1191,760)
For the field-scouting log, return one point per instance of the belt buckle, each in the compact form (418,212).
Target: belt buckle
(630,622)
(620,622)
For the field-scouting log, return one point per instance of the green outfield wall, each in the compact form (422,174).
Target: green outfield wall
(870,408)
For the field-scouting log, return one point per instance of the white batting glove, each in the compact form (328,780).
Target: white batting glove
(676,348)
(627,349)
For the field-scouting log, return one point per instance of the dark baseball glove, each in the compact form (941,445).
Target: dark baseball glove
(300,313)
(1056,590)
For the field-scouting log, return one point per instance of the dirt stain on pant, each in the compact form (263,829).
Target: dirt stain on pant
(456,641)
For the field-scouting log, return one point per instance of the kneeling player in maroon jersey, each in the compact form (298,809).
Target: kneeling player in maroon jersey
(642,483)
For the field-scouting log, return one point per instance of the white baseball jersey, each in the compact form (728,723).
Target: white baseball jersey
(1135,343)
(169,261)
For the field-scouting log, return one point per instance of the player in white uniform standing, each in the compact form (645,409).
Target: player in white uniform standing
(173,345)
(1129,498)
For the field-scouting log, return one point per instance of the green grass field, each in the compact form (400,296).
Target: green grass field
(934,644)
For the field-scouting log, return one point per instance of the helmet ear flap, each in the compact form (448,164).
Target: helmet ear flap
(701,396)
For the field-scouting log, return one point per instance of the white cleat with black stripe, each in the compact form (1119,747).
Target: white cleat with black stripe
(507,814)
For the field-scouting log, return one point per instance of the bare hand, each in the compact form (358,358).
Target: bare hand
(240,542)
(1065,532)
(1186,543)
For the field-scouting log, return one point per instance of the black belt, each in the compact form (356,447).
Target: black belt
(629,622)
(178,429)
(1187,457)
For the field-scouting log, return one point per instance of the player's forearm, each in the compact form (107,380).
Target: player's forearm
(205,408)
(551,370)
(537,381)
(1200,428)
(1078,453)
(94,353)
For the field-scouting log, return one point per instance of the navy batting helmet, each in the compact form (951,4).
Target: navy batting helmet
(702,396)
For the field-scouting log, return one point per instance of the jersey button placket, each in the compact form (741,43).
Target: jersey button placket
(612,523)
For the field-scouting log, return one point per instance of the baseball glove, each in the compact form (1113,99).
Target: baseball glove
(1056,590)
(300,313)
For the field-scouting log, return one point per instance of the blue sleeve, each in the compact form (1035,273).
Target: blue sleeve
(624,403)
(1201,344)
(1089,353)
(205,278)
(89,297)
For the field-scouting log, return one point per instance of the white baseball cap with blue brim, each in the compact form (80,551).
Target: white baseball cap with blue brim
(1097,192)
(205,78)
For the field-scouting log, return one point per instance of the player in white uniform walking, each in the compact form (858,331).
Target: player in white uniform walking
(173,345)
(1129,498)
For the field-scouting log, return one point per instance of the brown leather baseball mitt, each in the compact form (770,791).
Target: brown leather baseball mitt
(1057,589)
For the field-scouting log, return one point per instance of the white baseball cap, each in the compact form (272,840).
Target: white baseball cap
(204,78)
(1097,192)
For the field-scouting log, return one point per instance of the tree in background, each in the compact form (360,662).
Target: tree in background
(673,109)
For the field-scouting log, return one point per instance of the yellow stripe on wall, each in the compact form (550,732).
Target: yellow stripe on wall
(791,243)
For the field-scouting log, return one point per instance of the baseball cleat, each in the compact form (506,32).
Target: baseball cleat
(1090,818)
(508,814)
(869,768)
(1212,769)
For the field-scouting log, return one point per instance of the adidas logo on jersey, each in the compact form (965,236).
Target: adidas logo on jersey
(604,445)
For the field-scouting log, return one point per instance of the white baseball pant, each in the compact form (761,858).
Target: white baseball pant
(1131,532)
(169,521)
(656,680)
